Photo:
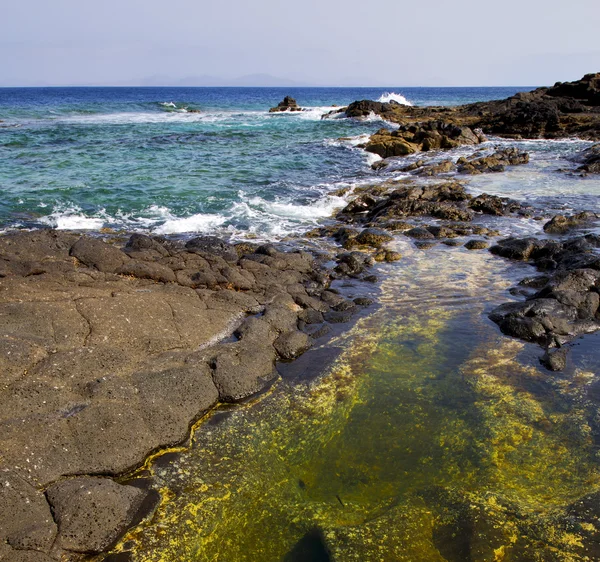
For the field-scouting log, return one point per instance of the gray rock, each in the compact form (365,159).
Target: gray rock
(98,254)
(243,369)
(477,245)
(26,522)
(555,360)
(212,245)
(92,513)
(290,345)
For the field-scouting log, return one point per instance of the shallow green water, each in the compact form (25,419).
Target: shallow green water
(428,440)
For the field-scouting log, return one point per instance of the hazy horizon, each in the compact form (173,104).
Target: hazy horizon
(337,44)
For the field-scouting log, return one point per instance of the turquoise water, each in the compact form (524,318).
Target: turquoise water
(142,158)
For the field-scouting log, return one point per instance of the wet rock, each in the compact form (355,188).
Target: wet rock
(560,224)
(495,162)
(364,108)
(310,316)
(290,345)
(590,158)
(339,316)
(443,167)
(212,245)
(419,233)
(430,135)
(92,513)
(317,331)
(353,262)
(477,245)
(424,244)
(373,237)
(555,360)
(243,369)
(386,145)
(520,248)
(287,104)
(494,205)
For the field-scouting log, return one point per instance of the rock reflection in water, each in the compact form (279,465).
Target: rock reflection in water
(428,440)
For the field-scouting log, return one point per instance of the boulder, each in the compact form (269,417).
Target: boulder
(92,513)
(560,224)
(290,345)
(375,237)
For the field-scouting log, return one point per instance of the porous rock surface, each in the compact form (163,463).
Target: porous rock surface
(560,305)
(112,351)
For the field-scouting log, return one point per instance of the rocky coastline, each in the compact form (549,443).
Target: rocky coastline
(115,346)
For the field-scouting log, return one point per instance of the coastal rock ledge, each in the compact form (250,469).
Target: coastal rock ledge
(110,353)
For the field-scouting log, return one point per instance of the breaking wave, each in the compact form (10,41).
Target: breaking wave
(388,97)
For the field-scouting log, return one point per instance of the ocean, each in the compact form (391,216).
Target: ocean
(142,159)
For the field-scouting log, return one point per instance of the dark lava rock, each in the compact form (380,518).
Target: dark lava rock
(419,233)
(494,205)
(287,104)
(424,245)
(444,167)
(26,522)
(477,245)
(96,253)
(430,135)
(555,360)
(566,303)
(290,345)
(560,224)
(364,108)
(563,110)
(521,248)
(496,162)
(339,316)
(373,237)
(212,245)
(92,513)
(590,158)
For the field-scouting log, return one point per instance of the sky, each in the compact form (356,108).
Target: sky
(310,42)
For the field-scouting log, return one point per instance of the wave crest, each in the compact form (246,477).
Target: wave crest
(388,97)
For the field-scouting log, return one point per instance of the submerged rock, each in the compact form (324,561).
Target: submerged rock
(590,160)
(496,162)
(560,224)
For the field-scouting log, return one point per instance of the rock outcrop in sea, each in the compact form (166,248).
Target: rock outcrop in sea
(570,109)
(287,104)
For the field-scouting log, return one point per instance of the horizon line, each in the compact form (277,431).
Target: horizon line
(262,86)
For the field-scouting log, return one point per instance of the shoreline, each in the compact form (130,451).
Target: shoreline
(176,315)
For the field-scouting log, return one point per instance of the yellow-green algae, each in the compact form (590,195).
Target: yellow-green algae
(428,440)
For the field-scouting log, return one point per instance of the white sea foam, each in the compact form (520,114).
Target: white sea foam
(388,97)
(73,218)
(200,222)
(178,116)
